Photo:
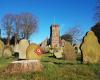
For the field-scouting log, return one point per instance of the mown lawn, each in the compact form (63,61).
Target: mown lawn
(55,69)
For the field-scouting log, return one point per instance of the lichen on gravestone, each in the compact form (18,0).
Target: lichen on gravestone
(90,48)
(34,52)
(1,48)
(69,52)
(7,51)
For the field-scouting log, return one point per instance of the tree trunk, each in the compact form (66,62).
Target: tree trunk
(8,41)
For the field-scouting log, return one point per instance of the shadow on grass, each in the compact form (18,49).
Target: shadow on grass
(58,63)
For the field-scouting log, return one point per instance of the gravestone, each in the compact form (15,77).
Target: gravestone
(69,52)
(34,51)
(58,53)
(1,48)
(46,50)
(7,51)
(23,44)
(16,48)
(90,48)
(16,51)
(44,44)
(24,66)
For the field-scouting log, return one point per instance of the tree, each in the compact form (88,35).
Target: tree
(96,30)
(96,27)
(19,26)
(7,22)
(17,29)
(28,24)
(97,11)
(67,37)
(73,35)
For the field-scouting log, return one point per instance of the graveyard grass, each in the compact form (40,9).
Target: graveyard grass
(54,69)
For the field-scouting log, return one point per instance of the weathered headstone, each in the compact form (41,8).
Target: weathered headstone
(24,66)
(46,49)
(58,53)
(69,52)
(44,43)
(90,48)
(23,44)
(7,52)
(16,48)
(34,51)
(1,48)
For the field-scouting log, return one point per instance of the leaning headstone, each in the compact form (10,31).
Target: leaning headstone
(44,43)
(1,48)
(34,52)
(46,49)
(23,44)
(90,48)
(7,52)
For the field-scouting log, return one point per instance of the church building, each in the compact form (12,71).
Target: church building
(54,35)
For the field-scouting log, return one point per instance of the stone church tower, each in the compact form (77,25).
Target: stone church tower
(54,35)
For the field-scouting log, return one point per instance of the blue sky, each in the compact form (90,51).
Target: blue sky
(68,13)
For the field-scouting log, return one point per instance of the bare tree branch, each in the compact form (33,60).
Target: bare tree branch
(29,24)
(7,23)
